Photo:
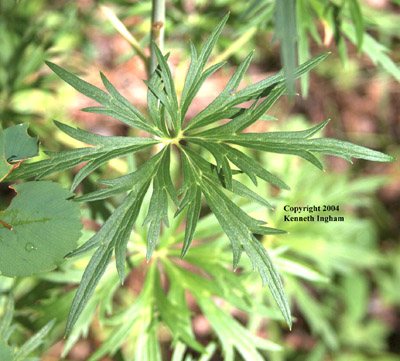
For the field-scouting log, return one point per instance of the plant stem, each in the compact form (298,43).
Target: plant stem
(120,27)
(157,30)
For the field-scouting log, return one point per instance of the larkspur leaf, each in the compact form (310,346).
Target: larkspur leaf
(252,92)
(115,106)
(201,177)
(91,277)
(198,63)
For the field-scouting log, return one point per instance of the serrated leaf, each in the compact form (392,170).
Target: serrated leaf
(101,140)
(16,146)
(245,192)
(220,155)
(38,229)
(156,109)
(252,168)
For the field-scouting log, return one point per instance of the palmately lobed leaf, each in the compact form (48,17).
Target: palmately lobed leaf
(215,181)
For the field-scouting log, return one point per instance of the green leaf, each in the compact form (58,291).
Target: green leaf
(19,145)
(220,155)
(16,146)
(6,352)
(38,229)
(156,109)
(252,168)
(197,64)
(243,191)
(5,167)
(239,230)
(116,105)
(122,184)
(5,322)
(194,90)
(80,85)
(232,334)
(356,16)
(122,235)
(286,32)
(158,207)
(375,50)
(192,216)
(119,223)
(91,277)
(252,92)
(170,99)
(296,143)
(33,343)
(174,316)
(114,147)
(101,140)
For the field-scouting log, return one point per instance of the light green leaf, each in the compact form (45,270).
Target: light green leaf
(5,322)
(232,334)
(286,32)
(38,229)
(6,352)
(174,316)
(357,17)
(33,343)
(59,161)
(375,50)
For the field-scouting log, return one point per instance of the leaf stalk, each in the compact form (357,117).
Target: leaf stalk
(157,30)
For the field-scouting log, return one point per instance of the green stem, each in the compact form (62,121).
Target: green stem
(157,30)
(121,28)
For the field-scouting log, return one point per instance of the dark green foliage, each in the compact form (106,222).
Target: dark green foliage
(201,177)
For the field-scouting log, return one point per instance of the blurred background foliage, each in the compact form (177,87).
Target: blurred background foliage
(342,278)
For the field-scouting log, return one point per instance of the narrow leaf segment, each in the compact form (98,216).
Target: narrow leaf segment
(215,180)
